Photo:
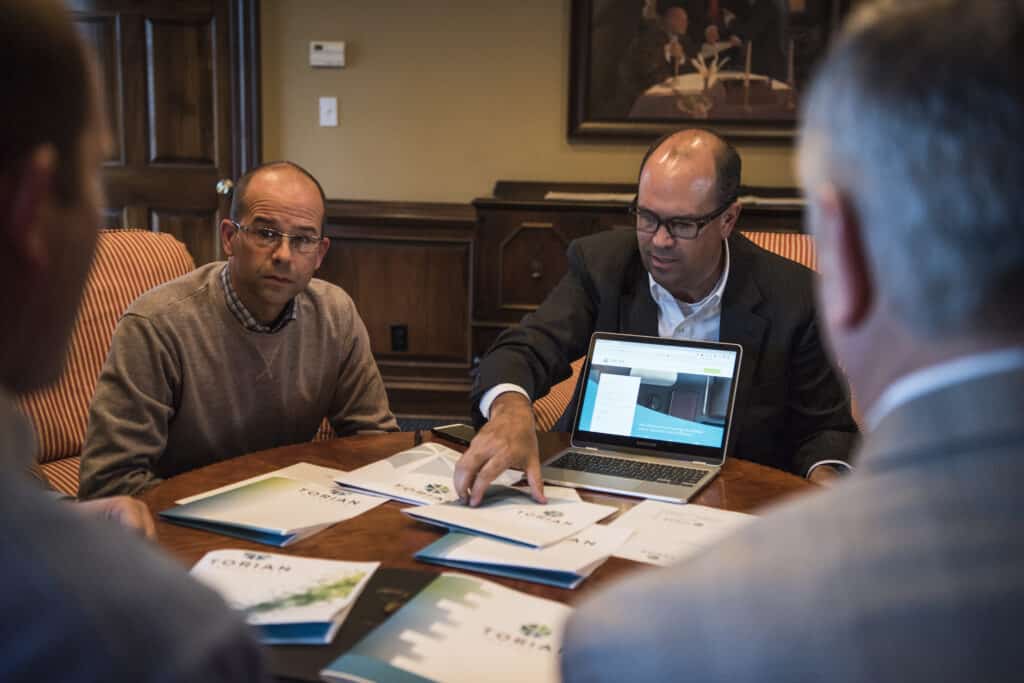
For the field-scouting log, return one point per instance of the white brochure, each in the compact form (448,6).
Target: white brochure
(274,510)
(297,600)
(421,475)
(564,564)
(510,514)
(461,629)
(300,471)
(665,533)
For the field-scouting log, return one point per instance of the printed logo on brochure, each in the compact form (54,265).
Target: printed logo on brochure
(535,630)
(438,489)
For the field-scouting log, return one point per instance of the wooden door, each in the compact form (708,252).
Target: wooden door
(181,89)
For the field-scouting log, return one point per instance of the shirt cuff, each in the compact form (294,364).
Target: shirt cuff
(488,398)
(838,463)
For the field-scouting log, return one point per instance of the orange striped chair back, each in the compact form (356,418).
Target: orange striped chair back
(127,263)
(794,246)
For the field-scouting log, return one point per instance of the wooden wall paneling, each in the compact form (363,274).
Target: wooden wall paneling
(420,283)
(530,261)
(196,229)
(410,264)
(181,90)
(103,32)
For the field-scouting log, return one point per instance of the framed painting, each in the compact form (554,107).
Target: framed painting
(640,68)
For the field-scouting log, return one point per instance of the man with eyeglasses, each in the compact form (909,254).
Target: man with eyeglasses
(235,357)
(683,273)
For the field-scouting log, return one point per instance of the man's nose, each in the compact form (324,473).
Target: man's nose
(283,250)
(662,237)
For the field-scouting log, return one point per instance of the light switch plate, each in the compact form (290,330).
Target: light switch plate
(326,53)
(329,112)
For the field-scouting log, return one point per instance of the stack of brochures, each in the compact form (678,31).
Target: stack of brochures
(564,564)
(278,508)
(419,476)
(460,628)
(664,533)
(293,600)
(510,535)
(509,514)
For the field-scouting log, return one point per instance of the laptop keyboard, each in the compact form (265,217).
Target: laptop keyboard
(628,469)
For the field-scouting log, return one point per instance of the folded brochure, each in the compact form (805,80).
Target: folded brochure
(509,514)
(564,564)
(421,475)
(295,600)
(274,510)
(460,628)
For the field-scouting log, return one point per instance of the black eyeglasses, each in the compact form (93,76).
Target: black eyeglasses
(268,237)
(679,227)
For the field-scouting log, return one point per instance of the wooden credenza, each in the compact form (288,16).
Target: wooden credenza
(436,283)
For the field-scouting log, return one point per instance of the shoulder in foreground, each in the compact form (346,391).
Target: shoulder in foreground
(165,297)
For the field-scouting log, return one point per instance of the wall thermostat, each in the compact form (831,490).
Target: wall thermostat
(325,53)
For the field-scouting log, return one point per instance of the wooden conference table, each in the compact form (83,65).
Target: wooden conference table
(391,538)
(385,535)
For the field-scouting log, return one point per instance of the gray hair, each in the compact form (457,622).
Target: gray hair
(918,114)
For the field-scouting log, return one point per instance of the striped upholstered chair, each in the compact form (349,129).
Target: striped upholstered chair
(794,246)
(127,263)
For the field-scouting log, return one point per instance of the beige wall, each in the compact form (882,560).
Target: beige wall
(439,100)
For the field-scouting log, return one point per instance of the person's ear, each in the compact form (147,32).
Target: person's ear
(847,287)
(30,209)
(325,244)
(227,232)
(729,219)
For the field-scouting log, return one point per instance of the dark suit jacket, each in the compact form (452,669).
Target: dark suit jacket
(792,409)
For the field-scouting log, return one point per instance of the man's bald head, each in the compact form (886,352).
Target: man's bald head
(699,146)
(239,206)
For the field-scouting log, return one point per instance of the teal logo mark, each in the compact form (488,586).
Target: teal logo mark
(535,630)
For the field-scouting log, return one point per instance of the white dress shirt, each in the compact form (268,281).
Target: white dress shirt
(677,319)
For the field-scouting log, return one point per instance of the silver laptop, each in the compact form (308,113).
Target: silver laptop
(652,419)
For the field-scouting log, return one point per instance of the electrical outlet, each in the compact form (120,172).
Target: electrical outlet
(399,337)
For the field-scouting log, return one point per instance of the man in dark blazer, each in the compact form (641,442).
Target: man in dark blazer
(683,273)
(912,568)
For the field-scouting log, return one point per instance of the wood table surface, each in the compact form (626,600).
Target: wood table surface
(384,534)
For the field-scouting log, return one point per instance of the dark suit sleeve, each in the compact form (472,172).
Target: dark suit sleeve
(819,423)
(537,353)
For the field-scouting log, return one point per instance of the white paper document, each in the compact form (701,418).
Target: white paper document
(289,599)
(510,514)
(665,533)
(460,629)
(421,475)
(564,564)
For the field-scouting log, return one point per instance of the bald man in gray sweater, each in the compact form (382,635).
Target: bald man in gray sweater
(236,357)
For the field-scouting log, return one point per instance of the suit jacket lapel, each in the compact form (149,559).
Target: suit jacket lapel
(638,314)
(739,323)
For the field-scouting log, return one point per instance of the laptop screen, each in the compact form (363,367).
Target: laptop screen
(658,393)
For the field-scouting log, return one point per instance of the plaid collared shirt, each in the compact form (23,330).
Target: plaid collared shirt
(246,318)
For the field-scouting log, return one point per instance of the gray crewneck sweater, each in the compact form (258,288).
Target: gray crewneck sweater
(185,384)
